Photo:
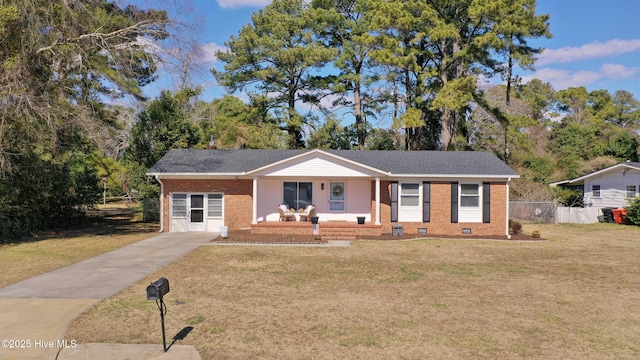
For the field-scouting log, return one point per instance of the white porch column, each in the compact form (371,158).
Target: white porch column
(377,201)
(254,215)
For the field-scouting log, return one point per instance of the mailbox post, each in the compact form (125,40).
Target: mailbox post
(156,291)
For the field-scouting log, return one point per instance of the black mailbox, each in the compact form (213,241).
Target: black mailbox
(158,289)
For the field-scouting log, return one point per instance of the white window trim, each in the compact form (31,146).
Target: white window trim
(479,195)
(410,213)
(626,191)
(593,191)
(470,214)
(188,204)
(418,195)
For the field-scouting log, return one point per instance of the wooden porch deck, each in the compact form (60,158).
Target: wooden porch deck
(329,230)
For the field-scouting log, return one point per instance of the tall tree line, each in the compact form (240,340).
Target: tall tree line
(413,65)
(420,58)
(60,63)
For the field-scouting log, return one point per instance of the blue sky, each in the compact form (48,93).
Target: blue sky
(595,43)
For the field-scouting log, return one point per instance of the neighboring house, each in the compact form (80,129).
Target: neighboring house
(434,192)
(611,187)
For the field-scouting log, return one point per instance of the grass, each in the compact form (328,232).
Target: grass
(113,228)
(573,297)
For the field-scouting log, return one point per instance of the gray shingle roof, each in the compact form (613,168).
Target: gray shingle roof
(580,179)
(394,162)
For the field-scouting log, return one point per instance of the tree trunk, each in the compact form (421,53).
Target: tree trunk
(446,115)
(357,104)
(507,102)
(447,131)
(293,129)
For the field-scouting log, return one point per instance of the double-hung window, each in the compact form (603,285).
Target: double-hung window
(631,191)
(409,202)
(470,195)
(469,203)
(409,194)
(595,189)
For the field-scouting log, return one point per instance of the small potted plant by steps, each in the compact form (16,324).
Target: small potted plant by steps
(361,220)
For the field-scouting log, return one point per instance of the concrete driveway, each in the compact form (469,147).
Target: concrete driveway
(35,313)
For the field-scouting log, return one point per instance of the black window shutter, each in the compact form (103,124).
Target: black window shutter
(426,202)
(454,202)
(394,201)
(486,202)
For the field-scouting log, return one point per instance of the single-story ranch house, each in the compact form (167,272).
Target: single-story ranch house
(352,193)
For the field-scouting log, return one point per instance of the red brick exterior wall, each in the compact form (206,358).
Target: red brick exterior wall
(238,204)
(238,199)
(440,223)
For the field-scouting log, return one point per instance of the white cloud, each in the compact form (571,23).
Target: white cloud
(617,71)
(589,51)
(562,79)
(234,4)
(209,53)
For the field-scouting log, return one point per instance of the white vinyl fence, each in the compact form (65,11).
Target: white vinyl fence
(577,215)
(549,212)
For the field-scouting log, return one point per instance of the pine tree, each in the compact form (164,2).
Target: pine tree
(272,59)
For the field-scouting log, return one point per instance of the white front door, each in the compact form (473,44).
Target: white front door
(196,212)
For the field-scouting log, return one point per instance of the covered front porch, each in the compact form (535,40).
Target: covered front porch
(340,190)
(334,200)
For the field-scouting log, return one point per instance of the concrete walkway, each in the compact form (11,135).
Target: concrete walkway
(35,313)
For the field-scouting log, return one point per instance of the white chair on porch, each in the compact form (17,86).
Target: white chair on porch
(306,213)
(285,214)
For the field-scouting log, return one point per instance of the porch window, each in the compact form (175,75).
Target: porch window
(409,194)
(596,190)
(214,205)
(297,194)
(631,191)
(469,195)
(179,205)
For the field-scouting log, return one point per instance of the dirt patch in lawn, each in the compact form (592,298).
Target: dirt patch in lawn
(245,236)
